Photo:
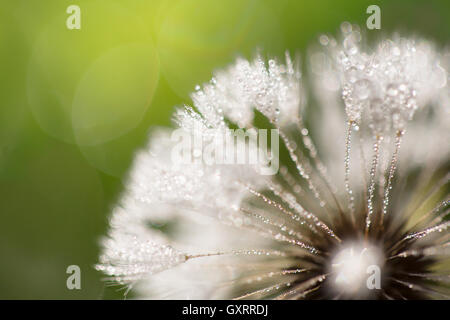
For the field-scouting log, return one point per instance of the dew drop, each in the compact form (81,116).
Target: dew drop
(346,27)
(352,74)
(362,89)
(323,39)
(392,90)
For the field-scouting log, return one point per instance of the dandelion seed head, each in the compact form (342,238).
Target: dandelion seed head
(216,230)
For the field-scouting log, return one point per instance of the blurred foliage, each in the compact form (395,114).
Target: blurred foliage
(76,104)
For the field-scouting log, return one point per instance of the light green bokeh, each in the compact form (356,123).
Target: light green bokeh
(61,57)
(128,75)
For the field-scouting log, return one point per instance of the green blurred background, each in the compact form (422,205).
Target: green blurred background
(76,104)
